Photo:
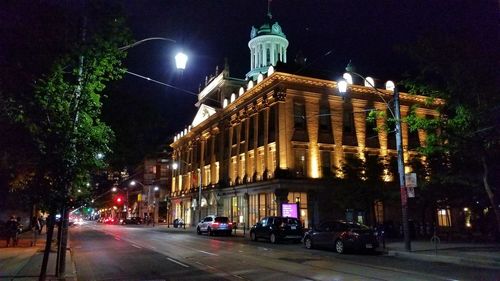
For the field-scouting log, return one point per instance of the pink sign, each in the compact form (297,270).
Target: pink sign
(289,210)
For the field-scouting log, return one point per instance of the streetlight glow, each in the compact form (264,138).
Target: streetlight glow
(175,166)
(156,188)
(113,189)
(132,183)
(181,60)
(342,85)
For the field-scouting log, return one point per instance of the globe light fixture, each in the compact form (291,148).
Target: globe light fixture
(342,85)
(181,60)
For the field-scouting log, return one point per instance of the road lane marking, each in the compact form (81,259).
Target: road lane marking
(138,247)
(178,262)
(212,254)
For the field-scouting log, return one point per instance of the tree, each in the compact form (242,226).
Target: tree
(462,68)
(61,109)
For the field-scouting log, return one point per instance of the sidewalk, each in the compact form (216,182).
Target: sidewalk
(24,261)
(486,255)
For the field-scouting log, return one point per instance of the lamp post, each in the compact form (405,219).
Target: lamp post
(396,114)
(156,188)
(175,166)
(114,189)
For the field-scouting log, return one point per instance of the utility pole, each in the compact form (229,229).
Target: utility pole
(401,172)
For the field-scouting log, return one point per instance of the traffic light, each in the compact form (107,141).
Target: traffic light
(119,200)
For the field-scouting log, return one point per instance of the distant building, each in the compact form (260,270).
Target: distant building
(275,137)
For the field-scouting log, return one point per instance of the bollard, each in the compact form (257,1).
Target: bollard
(435,240)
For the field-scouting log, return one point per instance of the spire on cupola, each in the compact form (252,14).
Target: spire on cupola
(267,45)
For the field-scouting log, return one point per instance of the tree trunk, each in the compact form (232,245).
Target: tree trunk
(63,243)
(48,243)
(491,195)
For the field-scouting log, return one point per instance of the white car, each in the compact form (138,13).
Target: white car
(214,224)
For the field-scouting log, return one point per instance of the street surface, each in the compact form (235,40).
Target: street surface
(115,252)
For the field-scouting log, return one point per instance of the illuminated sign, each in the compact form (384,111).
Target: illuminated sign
(289,210)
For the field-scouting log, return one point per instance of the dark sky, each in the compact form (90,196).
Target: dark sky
(366,32)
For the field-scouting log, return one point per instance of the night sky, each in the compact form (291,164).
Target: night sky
(329,34)
(366,32)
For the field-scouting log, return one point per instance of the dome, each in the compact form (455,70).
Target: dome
(267,29)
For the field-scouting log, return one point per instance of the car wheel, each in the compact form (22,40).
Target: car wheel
(308,243)
(339,246)
(273,239)
(253,237)
(198,230)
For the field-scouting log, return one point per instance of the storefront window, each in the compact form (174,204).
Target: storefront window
(444,218)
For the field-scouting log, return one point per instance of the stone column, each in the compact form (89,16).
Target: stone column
(255,144)
(359,107)
(404,131)
(213,168)
(312,112)
(265,169)
(229,157)
(282,136)
(337,119)
(238,144)
(381,124)
(245,147)
(202,161)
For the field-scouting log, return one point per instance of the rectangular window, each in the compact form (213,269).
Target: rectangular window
(324,119)
(326,166)
(348,122)
(299,115)
(379,211)
(444,218)
(300,163)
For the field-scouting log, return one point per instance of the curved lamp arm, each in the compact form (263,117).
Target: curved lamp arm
(377,91)
(145,40)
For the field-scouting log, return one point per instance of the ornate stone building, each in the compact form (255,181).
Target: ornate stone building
(275,137)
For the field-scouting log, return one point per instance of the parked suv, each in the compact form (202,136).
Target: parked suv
(276,229)
(215,224)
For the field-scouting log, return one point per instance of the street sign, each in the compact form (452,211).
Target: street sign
(411,180)
(411,183)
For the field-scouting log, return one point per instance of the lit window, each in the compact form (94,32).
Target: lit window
(241,92)
(250,85)
(233,97)
(224,104)
(444,218)
(260,78)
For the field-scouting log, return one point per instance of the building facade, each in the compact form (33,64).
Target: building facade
(276,137)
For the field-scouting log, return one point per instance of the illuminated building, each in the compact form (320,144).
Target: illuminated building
(275,137)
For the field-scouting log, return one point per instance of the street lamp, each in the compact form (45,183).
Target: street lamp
(156,188)
(175,166)
(180,62)
(396,115)
(115,189)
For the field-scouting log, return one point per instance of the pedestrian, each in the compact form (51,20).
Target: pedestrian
(41,221)
(35,228)
(12,227)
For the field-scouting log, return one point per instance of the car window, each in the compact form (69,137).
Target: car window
(222,219)
(207,219)
(338,226)
(263,222)
(327,226)
(291,221)
(277,221)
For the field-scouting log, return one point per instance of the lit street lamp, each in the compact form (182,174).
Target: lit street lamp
(156,188)
(342,85)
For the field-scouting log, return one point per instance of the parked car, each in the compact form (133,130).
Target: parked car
(178,223)
(132,220)
(342,236)
(214,224)
(277,229)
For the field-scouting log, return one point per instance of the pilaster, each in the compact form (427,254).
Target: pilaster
(312,115)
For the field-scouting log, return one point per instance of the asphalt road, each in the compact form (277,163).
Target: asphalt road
(114,252)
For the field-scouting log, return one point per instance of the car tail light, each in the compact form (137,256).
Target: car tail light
(215,224)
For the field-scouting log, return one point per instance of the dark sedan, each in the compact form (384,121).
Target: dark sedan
(342,236)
